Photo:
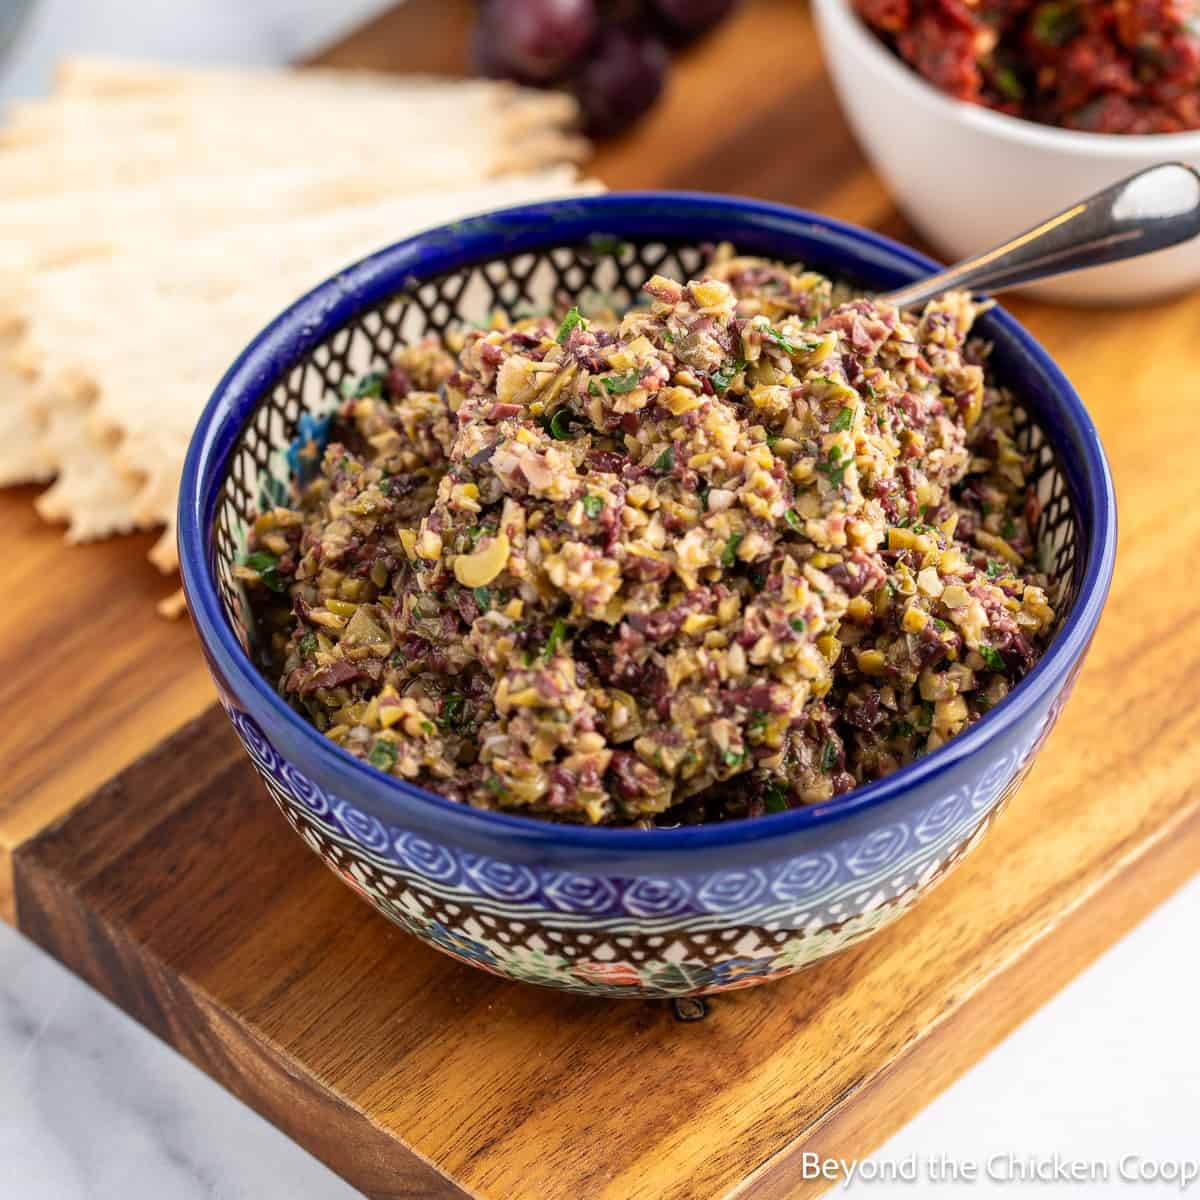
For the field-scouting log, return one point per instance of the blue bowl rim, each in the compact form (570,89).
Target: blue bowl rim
(673,216)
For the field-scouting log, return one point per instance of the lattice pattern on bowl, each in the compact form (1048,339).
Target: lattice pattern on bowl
(264,464)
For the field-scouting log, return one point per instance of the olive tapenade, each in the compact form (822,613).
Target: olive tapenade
(738,549)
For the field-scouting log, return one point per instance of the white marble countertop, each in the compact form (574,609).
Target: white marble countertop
(92,1107)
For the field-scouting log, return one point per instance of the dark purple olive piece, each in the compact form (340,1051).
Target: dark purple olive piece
(683,20)
(532,41)
(622,77)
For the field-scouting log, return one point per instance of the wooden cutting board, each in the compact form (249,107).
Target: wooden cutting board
(179,892)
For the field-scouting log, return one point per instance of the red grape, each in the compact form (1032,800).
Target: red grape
(685,19)
(622,76)
(533,41)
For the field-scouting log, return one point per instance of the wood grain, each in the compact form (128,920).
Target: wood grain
(181,893)
(96,678)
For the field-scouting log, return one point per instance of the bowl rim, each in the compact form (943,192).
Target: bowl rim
(309,322)
(1151,146)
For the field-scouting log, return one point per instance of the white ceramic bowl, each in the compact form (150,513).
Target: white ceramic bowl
(968,177)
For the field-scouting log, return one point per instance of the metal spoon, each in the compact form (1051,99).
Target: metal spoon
(1154,209)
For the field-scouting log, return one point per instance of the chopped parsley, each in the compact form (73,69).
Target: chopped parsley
(618,385)
(775,798)
(593,506)
(1008,85)
(483,598)
(842,420)
(772,440)
(724,375)
(792,517)
(994,569)
(593,390)
(494,785)
(902,729)
(371,384)
(940,625)
(573,320)
(267,566)
(666,460)
(383,755)
(993,658)
(307,645)
(834,468)
(729,554)
(702,492)
(732,758)
(799,624)
(781,341)
(1008,528)
(926,718)
(557,632)
(427,727)
(1055,24)
(829,756)
(452,711)
(758,722)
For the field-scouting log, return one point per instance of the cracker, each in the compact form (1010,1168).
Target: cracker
(20,433)
(444,133)
(93,77)
(451,110)
(64,226)
(136,267)
(146,156)
(93,500)
(134,221)
(456,135)
(153,358)
(280,136)
(172,607)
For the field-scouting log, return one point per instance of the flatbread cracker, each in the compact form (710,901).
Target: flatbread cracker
(437,132)
(155,357)
(172,607)
(476,112)
(20,433)
(137,265)
(65,226)
(149,155)
(95,76)
(60,229)
(88,495)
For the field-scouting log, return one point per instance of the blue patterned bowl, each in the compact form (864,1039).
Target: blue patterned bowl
(615,912)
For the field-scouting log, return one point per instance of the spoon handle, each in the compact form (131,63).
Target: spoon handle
(1154,209)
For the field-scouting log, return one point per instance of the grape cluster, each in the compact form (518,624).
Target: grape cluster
(613,54)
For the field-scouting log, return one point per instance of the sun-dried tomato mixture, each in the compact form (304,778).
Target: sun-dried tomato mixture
(735,551)
(1107,66)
